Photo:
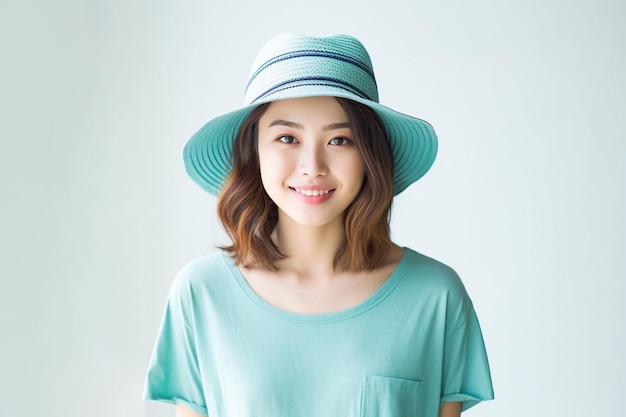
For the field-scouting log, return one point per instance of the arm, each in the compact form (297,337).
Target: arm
(182,411)
(451,409)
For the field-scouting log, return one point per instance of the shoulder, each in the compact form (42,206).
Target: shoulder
(199,267)
(201,273)
(435,275)
(203,285)
(437,283)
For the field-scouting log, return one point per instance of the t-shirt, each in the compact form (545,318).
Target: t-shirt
(225,352)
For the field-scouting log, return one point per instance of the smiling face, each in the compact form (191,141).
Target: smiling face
(310,166)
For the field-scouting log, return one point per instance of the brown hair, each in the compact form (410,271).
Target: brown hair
(249,216)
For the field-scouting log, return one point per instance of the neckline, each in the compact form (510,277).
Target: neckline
(381,293)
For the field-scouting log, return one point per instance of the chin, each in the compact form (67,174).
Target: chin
(311,219)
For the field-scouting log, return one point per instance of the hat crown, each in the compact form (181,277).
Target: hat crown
(294,65)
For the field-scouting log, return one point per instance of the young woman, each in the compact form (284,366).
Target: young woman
(312,310)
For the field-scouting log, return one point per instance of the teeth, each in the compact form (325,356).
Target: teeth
(312,193)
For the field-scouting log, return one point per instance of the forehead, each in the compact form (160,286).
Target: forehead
(305,110)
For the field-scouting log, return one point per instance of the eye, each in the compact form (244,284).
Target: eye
(339,141)
(288,139)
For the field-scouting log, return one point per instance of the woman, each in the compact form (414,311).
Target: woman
(312,310)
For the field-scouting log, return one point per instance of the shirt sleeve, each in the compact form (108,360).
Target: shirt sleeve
(173,374)
(466,374)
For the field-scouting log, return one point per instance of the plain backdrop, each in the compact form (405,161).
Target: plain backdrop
(526,199)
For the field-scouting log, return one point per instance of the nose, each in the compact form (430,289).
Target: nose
(312,160)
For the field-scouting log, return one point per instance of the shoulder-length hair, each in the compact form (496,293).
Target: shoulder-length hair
(249,216)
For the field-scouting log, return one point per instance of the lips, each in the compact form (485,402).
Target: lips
(309,192)
(312,195)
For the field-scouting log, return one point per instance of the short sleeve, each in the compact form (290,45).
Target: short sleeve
(174,375)
(466,375)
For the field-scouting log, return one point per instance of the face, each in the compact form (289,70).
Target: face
(310,166)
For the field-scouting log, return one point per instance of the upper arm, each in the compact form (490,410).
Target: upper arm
(450,409)
(182,411)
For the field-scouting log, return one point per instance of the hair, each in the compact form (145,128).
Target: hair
(249,216)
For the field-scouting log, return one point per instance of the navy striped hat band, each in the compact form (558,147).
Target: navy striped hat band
(353,74)
(293,66)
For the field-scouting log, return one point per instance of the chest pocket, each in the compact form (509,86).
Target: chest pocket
(390,397)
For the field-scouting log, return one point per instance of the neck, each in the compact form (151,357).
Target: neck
(310,250)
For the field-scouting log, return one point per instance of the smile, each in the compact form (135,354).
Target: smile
(311,193)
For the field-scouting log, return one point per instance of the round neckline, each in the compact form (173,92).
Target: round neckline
(379,295)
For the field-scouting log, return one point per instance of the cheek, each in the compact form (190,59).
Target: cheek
(263,168)
(353,169)
(272,165)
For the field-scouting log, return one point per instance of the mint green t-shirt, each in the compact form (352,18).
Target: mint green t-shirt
(224,352)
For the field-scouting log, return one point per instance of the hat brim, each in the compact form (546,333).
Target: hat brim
(413,142)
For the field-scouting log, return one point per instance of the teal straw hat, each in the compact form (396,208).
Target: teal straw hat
(294,66)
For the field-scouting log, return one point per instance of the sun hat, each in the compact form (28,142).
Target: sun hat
(294,66)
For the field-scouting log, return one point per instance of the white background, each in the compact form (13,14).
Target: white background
(526,199)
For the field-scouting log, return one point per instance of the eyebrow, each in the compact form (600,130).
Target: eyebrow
(287,123)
